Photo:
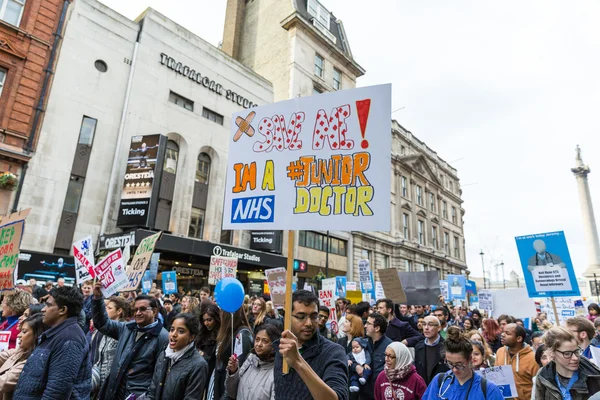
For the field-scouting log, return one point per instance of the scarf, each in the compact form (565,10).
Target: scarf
(176,355)
(404,362)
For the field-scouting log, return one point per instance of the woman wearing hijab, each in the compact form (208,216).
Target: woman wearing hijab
(399,379)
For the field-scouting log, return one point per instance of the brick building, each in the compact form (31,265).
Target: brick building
(28,44)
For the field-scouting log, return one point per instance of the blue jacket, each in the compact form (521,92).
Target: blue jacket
(133,366)
(451,389)
(59,367)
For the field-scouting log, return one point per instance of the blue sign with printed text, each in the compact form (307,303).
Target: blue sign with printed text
(547,265)
(457,287)
(169,282)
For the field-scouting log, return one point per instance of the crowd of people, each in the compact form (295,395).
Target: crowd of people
(72,343)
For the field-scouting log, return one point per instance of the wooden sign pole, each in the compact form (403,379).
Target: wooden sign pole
(555,311)
(287,321)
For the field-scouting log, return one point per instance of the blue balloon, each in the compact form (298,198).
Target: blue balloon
(229,294)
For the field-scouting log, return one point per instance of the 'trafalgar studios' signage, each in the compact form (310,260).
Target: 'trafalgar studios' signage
(266,241)
(205,81)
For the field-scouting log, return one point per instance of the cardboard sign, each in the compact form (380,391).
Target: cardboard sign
(486,301)
(421,287)
(4,340)
(392,285)
(11,231)
(274,149)
(141,258)
(547,265)
(504,378)
(111,272)
(221,268)
(276,282)
(83,252)
(169,282)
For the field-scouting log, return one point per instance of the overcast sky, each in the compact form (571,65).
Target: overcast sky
(504,91)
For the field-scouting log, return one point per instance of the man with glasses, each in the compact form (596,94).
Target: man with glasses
(323,318)
(429,354)
(376,327)
(516,353)
(317,366)
(139,344)
(584,331)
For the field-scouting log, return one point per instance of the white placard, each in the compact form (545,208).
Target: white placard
(515,302)
(312,163)
(486,300)
(221,268)
(111,272)
(504,378)
(351,286)
(595,355)
(83,253)
(444,290)
(379,293)
(364,273)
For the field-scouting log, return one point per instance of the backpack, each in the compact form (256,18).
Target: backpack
(440,379)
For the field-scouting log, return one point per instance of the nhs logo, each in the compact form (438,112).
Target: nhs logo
(253,209)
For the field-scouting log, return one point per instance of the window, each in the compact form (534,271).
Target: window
(212,116)
(11,11)
(203,168)
(402,150)
(432,202)
(226,236)
(385,261)
(444,209)
(407,265)
(419,191)
(171,157)
(405,221)
(434,237)
(451,184)
(318,241)
(319,63)
(446,243)
(419,267)
(316,90)
(2,79)
(87,131)
(420,231)
(181,101)
(319,12)
(365,254)
(196,228)
(454,215)
(456,249)
(404,187)
(74,191)
(337,79)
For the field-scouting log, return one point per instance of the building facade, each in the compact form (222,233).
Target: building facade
(116,80)
(29,40)
(303,49)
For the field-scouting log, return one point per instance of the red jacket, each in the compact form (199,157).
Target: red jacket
(412,387)
(13,323)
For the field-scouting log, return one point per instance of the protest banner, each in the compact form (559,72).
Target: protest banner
(421,287)
(141,258)
(457,286)
(504,377)
(471,287)
(368,289)
(392,285)
(547,266)
(351,286)
(169,282)
(379,292)
(276,283)
(83,252)
(11,232)
(364,267)
(444,290)
(111,273)
(154,265)
(221,268)
(327,299)
(514,302)
(565,308)
(486,301)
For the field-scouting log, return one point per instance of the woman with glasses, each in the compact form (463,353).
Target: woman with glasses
(568,376)
(399,379)
(460,382)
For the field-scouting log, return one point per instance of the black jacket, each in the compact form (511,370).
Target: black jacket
(184,379)
(587,384)
(345,344)
(421,361)
(134,362)
(398,331)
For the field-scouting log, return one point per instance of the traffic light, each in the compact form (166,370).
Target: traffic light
(300,266)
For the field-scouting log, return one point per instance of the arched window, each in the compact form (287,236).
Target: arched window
(171,157)
(203,168)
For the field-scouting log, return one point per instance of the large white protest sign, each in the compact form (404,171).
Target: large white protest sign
(221,268)
(364,273)
(111,273)
(486,300)
(83,253)
(503,377)
(515,302)
(312,162)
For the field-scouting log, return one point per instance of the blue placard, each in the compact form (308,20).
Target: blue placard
(169,282)
(372,291)
(457,287)
(340,286)
(146,282)
(471,287)
(154,265)
(547,265)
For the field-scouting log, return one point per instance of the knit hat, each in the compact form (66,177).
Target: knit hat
(361,342)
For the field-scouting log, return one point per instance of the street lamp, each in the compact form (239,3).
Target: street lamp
(503,279)
(483,268)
